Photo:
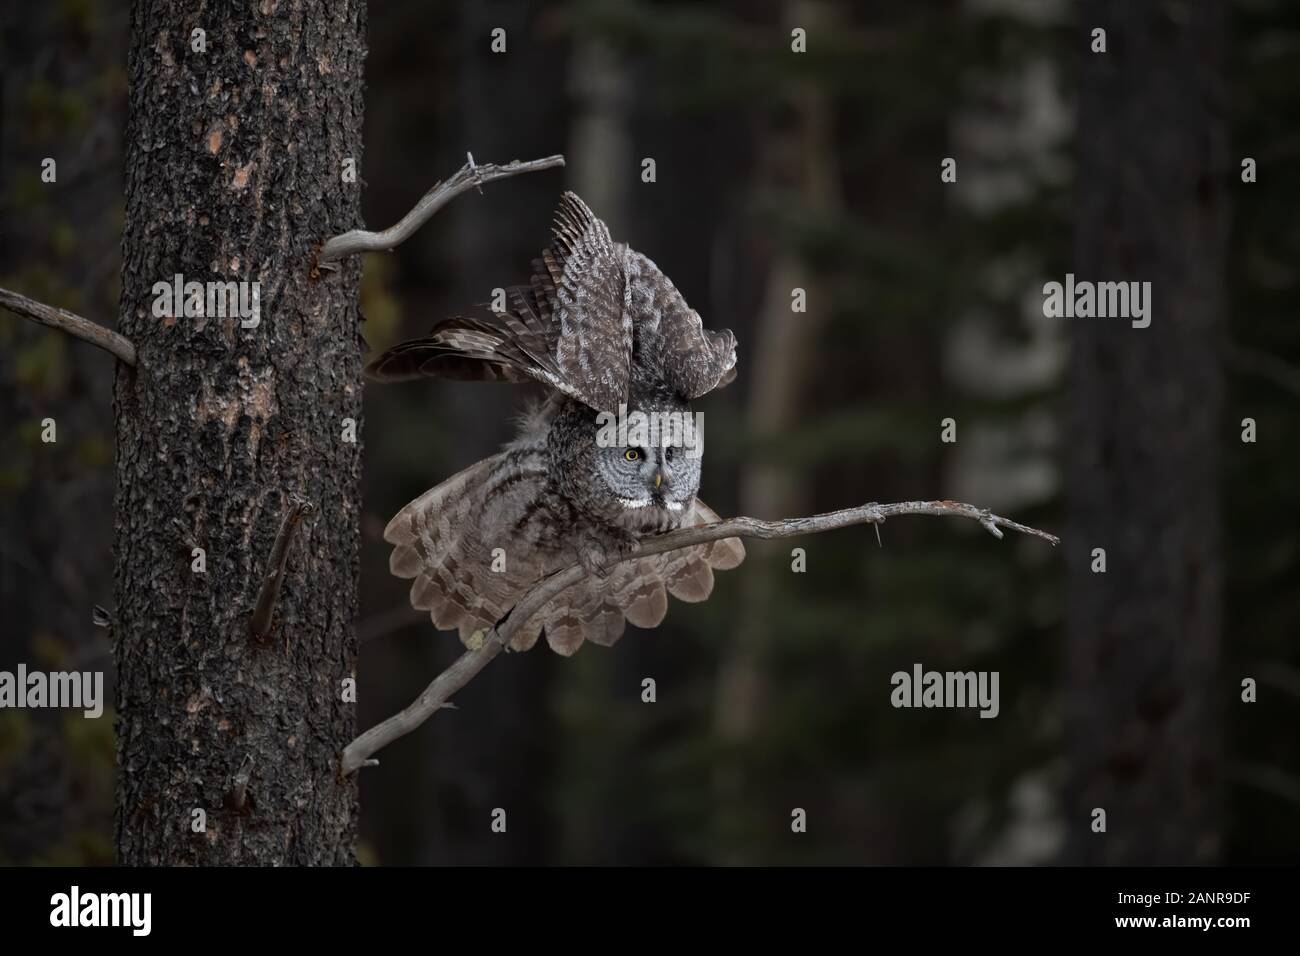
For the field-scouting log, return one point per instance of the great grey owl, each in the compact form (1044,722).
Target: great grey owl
(609,336)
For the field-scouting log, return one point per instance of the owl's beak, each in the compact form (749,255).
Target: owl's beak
(659,478)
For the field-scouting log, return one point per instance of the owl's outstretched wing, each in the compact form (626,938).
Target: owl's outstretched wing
(469,577)
(460,348)
(568,328)
(439,540)
(672,345)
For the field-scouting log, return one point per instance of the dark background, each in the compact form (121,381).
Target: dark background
(774,171)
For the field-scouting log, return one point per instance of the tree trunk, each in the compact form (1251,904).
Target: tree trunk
(234,161)
(1145,430)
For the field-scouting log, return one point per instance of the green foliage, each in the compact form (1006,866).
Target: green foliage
(16,736)
(379,306)
(41,365)
(81,16)
(49,112)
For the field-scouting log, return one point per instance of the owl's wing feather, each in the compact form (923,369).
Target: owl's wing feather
(466,349)
(583,284)
(568,329)
(672,345)
(439,542)
(458,349)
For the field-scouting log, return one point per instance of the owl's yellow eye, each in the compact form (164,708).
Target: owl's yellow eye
(631,454)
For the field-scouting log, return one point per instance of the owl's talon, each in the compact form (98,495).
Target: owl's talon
(593,562)
(626,548)
(600,562)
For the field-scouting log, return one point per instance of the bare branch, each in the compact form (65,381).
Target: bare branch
(432,699)
(66,321)
(269,593)
(463,670)
(468,177)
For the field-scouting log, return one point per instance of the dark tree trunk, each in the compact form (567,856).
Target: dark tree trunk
(234,159)
(1144,438)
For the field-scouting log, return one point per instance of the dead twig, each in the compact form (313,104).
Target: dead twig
(469,176)
(74,325)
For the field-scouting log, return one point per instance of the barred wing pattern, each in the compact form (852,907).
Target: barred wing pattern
(672,345)
(569,328)
(595,319)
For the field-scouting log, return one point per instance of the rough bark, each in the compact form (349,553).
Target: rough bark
(234,160)
(1145,431)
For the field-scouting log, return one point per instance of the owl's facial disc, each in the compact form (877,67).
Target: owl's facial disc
(637,480)
(648,477)
(649,460)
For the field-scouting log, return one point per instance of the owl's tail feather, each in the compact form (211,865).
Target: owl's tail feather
(468,585)
(637,591)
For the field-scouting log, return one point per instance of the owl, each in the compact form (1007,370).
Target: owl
(611,454)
